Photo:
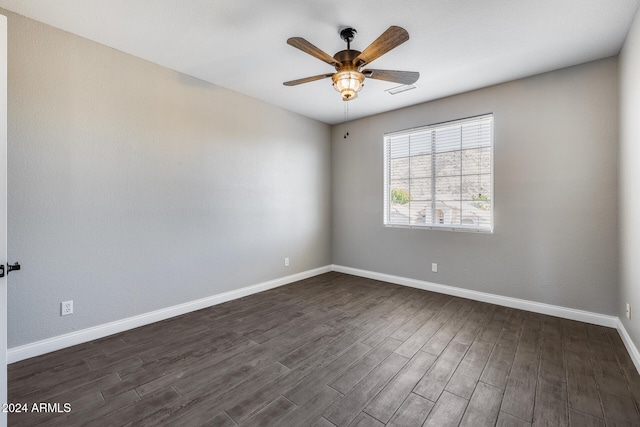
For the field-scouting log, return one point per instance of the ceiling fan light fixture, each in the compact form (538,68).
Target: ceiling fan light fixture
(348,83)
(349,63)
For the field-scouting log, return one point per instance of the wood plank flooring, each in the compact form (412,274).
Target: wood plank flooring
(339,350)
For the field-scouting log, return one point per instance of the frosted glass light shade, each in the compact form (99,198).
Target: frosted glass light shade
(348,83)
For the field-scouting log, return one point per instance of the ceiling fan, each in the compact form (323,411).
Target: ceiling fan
(349,76)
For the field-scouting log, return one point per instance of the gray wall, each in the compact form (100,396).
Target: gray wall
(630,182)
(555,238)
(133,188)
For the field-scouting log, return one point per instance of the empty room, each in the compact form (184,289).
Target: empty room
(280,213)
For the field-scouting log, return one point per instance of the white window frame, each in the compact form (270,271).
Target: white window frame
(433,226)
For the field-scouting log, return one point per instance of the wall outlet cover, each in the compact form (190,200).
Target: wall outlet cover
(66,308)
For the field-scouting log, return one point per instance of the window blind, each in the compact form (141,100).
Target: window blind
(440,176)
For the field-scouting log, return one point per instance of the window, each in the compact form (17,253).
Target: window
(440,176)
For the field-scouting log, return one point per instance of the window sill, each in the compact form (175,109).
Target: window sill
(441,228)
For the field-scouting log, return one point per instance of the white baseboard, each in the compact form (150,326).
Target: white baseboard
(631,347)
(38,348)
(48,345)
(536,307)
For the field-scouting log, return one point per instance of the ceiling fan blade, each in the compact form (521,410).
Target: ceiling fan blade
(306,47)
(307,79)
(404,77)
(390,39)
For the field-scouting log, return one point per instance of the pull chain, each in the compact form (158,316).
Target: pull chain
(346,116)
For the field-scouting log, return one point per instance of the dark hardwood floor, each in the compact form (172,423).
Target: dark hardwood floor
(339,350)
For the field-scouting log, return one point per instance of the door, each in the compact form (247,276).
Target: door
(3,215)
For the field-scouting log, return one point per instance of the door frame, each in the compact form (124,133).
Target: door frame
(3,216)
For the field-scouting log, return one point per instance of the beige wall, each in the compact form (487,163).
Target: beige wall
(555,238)
(133,188)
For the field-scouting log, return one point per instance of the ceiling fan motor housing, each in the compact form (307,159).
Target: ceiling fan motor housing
(346,57)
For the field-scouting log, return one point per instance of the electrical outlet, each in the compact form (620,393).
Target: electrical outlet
(286,262)
(628,311)
(434,267)
(66,308)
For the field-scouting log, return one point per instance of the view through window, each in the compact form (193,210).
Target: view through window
(440,176)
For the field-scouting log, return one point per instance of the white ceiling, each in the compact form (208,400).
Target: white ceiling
(456,45)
